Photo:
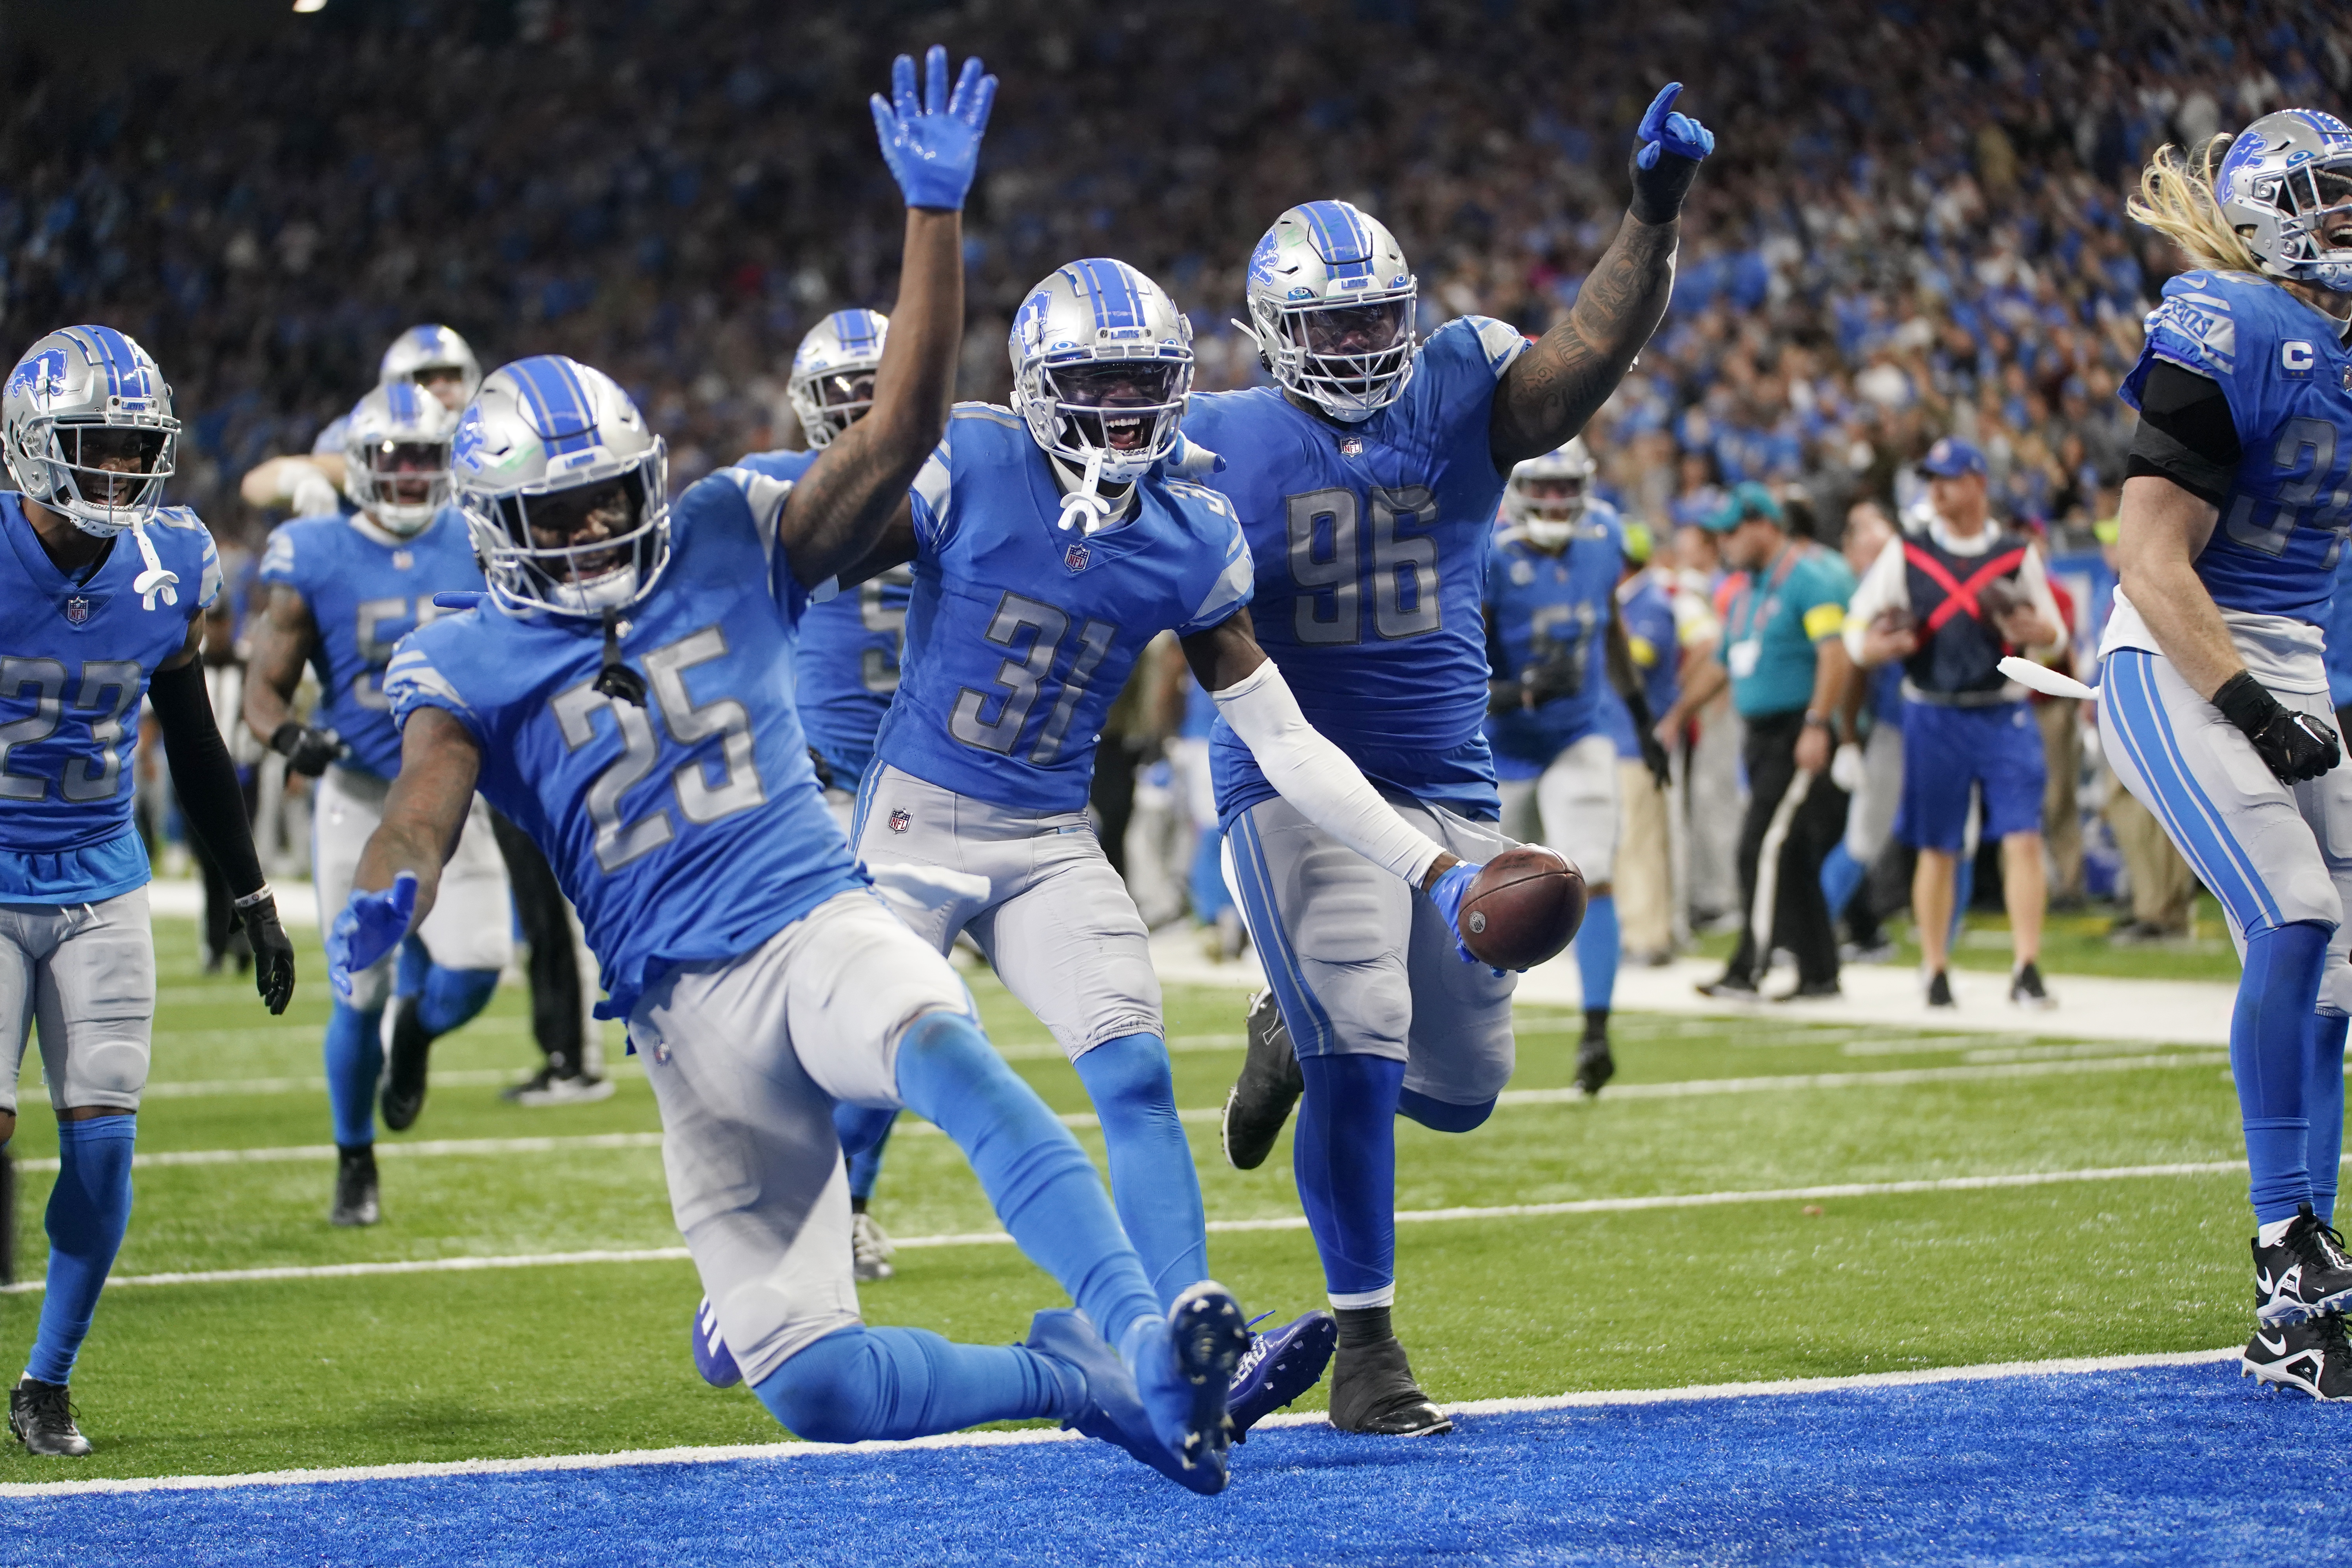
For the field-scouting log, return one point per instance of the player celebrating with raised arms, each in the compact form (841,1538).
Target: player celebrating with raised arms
(343,591)
(1367,480)
(2213,690)
(625,697)
(92,624)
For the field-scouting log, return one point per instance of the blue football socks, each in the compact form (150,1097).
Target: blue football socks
(452,996)
(862,1132)
(354,1064)
(2268,1039)
(2322,1107)
(88,1209)
(1344,1155)
(1597,942)
(1153,1183)
(1043,1188)
(1841,874)
(858,1383)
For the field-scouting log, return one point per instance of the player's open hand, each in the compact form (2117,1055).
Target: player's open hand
(273,955)
(370,926)
(1667,158)
(932,144)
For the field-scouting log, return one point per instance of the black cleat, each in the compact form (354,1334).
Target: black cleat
(2025,988)
(1939,991)
(549,1087)
(2313,1356)
(41,1417)
(1730,988)
(1373,1392)
(2304,1275)
(404,1066)
(1594,1065)
(1270,1086)
(355,1201)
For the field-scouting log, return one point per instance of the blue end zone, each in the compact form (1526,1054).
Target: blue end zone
(2186,1465)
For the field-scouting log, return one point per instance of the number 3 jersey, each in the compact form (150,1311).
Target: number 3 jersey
(366,590)
(1022,633)
(690,829)
(75,658)
(1371,541)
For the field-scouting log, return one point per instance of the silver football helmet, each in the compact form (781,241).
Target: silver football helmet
(1546,496)
(565,491)
(419,353)
(2286,187)
(1102,362)
(1331,305)
(396,456)
(831,384)
(87,429)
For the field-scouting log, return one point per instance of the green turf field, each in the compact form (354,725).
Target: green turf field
(250,1375)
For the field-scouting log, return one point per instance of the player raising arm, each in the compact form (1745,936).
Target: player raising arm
(2213,687)
(93,623)
(625,697)
(1367,480)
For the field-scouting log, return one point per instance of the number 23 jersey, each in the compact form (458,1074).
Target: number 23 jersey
(1371,541)
(690,829)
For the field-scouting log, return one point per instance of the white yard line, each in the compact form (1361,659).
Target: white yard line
(1225,1227)
(2072,1366)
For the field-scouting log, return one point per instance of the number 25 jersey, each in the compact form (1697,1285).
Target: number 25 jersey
(1371,541)
(689,829)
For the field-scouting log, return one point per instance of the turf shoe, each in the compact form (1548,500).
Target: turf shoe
(355,1189)
(548,1086)
(2314,1356)
(1278,1367)
(1594,1064)
(2302,1274)
(2026,990)
(712,1358)
(1373,1392)
(1105,1403)
(1730,988)
(1939,990)
(1269,1087)
(41,1417)
(869,1249)
(403,1065)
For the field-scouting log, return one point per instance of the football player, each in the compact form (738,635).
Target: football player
(2213,693)
(429,356)
(625,696)
(1367,479)
(1552,634)
(342,591)
(93,623)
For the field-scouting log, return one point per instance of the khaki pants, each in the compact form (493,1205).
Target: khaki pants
(2161,882)
(2061,815)
(1645,893)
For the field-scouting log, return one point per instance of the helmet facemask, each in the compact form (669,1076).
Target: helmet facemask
(1351,360)
(1108,420)
(2316,231)
(105,475)
(831,401)
(1547,509)
(400,485)
(579,550)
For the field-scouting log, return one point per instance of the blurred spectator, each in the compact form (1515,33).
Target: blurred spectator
(1869,764)
(1645,878)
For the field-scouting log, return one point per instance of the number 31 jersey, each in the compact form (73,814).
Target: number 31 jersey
(690,829)
(1371,541)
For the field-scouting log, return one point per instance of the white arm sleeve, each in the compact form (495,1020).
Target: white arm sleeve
(1316,778)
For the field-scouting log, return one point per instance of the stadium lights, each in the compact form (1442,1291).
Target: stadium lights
(305,7)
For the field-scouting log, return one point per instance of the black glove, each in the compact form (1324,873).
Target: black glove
(1504,697)
(2293,746)
(823,769)
(273,955)
(1654,758)
(307,751)
(1562,675)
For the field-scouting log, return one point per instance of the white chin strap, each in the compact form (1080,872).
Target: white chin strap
(1083,508)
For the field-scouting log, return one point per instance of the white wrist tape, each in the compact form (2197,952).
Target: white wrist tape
(1316,778)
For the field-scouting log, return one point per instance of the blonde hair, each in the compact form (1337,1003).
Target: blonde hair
(2176,199)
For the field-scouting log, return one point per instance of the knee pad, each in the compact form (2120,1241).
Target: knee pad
(105,1072)
(1439,1116)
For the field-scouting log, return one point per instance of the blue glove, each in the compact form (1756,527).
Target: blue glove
(371,925)
(1660,182)
(1447,893)
(932,145)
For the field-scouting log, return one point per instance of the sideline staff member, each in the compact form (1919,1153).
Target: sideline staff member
(1787,667)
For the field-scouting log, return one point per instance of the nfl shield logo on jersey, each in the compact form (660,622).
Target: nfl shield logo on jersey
(901,821)
(1353,447)
(1075,557)
(77,609)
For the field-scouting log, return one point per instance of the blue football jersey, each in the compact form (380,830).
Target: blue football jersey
(1371,541)
(2288,379)
(1542,607)
(367,589)
(75,660)
(1021,633)
(690,829)
(846,669)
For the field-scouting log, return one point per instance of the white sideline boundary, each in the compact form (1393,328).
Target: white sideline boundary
(2071,1366)
(1217,1227)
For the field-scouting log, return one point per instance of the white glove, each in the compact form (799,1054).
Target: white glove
(1846,768)
(314,495)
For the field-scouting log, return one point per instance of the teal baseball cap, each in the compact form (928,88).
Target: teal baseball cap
(1748,498)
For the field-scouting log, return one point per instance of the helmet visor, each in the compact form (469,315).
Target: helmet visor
(1356,352)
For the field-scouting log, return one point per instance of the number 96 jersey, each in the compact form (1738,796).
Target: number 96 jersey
(689,829)
(1371,541)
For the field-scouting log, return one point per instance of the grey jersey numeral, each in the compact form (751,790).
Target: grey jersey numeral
(878,671)
(1327,567)
(2303,501)
(1021,679)
(82,782)
(47,679)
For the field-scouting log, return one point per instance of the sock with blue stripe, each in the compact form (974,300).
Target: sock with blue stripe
(1344,1155)
(450,998)
(2322,1107)
(2268,1050)
(1597,942)
(354,1064)
(1841,874)
(1153,1183)
(1044,1187)
(88,1210)
(858,1383)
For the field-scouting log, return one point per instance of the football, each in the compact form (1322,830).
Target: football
(1524,907)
